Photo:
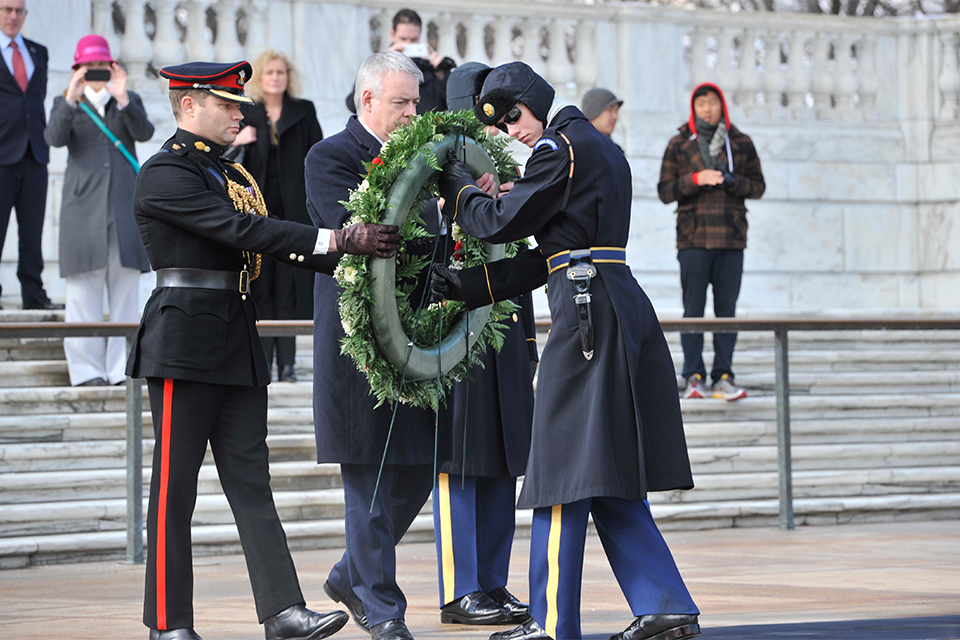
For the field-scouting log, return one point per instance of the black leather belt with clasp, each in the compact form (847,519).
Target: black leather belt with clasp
(238,281)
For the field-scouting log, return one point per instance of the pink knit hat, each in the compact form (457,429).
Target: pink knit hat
(91,49)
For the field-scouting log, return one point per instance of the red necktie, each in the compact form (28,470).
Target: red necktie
(19,70)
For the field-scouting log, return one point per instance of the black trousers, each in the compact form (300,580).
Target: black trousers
(233,419)
(723,270)
(23,185)
(369,565)
(276,299)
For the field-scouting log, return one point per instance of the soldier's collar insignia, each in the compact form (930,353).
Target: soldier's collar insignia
(488,110)
(201,146)
(176,146)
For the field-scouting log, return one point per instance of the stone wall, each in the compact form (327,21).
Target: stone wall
(856,120)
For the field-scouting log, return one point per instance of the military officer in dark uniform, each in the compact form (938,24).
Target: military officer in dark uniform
(474,502)
(198,348)
(607,427)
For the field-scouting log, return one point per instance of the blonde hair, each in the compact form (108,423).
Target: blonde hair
(254,90)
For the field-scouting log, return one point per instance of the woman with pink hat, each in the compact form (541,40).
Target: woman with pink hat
(99,122)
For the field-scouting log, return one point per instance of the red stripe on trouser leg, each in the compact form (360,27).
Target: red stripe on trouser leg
(162,506)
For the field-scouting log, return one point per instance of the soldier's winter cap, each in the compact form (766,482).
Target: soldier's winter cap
(598,100)
(465,84)
(224,81)
(509,84)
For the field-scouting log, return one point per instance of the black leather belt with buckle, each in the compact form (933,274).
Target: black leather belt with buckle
(238,281)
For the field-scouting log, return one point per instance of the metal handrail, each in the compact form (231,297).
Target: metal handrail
(779,326)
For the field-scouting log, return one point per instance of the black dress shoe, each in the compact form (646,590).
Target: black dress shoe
(661,626)
(46,304)
(174,634)
(473,608)
(391,630)
(94,382)
(519,611)
(287,374)
(299,623)
(351,602)
(529,630)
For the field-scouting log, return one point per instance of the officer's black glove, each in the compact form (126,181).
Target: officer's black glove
(366,239)
(729,181)
(451,179)
(444,284)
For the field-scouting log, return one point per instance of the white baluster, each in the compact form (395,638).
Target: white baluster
(502,37)
(227,46)
(798,77)
(167,49)
(531,45)
(698,58)
(558,64)
(585,64)
(867,81)
(846,82)
(773,78)
(476,25)
(725,74)
(386,26)
(750,81)
(447,36)
(949,79)
(136,49)
(198,44)
(103,24)
(822,76)
(257,17)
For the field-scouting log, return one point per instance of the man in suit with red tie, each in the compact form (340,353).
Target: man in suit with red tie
(23,152)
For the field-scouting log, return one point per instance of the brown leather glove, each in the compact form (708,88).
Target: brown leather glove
(380,240)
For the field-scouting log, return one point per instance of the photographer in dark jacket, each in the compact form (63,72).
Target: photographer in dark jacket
(709,169)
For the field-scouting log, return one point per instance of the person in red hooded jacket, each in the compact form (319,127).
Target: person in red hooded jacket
(709,169)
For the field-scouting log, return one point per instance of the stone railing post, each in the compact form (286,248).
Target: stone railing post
(725,75)
(798,77)
(167,48)
(821,76)
(476,26)
(227,46)
(502,40)
(103,24)
(846,84)
(868,82)
(257,16)
(585,63)
(750,81)
(948,80)
(447,35)
(136,48)
(773,76)
(699,72)
(558,63)
(198,45)
(531,45)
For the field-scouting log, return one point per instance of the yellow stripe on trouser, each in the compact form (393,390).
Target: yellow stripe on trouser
(446,539)
(553,574)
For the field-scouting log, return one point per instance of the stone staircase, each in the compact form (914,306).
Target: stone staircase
(876,437)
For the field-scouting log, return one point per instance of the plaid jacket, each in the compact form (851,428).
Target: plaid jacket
(710,217)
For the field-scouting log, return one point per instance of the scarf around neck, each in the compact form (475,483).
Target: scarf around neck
(98,99)
(711,138)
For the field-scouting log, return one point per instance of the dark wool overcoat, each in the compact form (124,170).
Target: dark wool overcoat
(609,426)
(348,428)
(187,220)
(24,118)
(710,217)
(98,184)
(298,130)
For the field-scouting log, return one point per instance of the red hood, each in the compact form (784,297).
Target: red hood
(723,102)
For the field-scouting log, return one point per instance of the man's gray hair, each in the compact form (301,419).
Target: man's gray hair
(372,71)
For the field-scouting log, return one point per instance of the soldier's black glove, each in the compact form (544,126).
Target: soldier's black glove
(444,284)
(451,179)
(729,181)
(368,239)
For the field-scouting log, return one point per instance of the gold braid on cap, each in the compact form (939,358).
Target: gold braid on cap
(247,202)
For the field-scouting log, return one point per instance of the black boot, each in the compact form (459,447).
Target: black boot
(661,626)
(174,634)
(474,608)
(299,623)
(519,611)
(527,631)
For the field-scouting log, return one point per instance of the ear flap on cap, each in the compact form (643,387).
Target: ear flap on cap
(493,105)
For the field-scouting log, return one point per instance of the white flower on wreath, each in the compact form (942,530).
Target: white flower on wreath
(347,326)
(363,186)
(349,275)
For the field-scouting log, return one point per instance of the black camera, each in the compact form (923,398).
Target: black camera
(97,75)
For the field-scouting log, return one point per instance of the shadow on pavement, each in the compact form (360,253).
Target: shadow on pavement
(932,628)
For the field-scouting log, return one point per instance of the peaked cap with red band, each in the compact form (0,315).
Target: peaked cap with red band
(224,81)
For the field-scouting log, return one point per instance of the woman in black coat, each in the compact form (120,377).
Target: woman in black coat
(279,130)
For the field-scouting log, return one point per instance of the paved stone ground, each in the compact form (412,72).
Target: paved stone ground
(853,582)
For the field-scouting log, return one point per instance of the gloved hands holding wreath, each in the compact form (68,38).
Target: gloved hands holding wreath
(455,176)
(380,240)
(444,284)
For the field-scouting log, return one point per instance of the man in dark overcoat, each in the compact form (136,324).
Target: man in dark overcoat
(350,431)
(23,152)
(607,427)
(474,503)
(199,350)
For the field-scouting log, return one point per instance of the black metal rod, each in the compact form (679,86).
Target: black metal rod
(784,457)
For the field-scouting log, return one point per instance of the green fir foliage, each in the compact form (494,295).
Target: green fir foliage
(428,326)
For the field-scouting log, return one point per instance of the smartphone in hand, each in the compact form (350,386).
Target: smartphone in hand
(416,50)
(97,75)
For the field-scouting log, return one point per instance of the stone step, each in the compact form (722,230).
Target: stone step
(219,539)
(867,383)
(103,484)
(822,407)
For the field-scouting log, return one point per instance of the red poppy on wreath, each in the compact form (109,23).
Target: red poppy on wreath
(458,251)
(376,160)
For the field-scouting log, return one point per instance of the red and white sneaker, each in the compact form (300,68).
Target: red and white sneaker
(726,390)
(694,387)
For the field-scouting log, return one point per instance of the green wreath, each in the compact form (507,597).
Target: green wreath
(416,356)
